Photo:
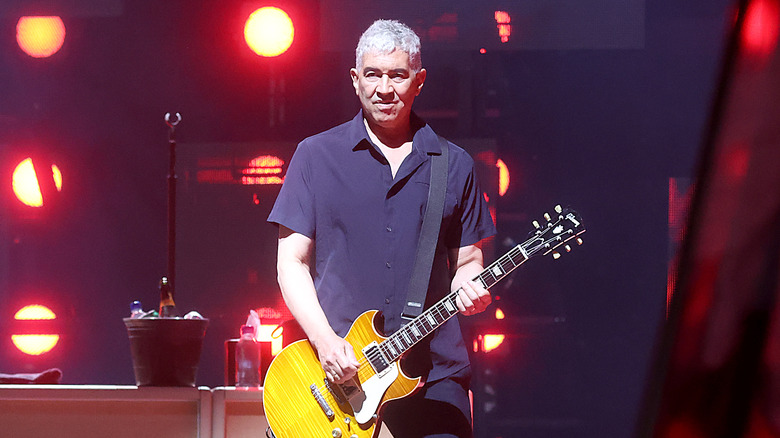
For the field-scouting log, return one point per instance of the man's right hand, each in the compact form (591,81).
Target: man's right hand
(336,357)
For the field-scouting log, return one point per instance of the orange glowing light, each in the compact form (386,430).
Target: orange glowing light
(35,344)
(504,28)
(40,37)
(503,177)
(269,333)
(57,175)
(500,314)
(263,170)
(491,342)
(25,184)
(269,31)
(34,311)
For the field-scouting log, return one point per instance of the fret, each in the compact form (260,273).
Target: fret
(437,316)
(405,344)
(449,306)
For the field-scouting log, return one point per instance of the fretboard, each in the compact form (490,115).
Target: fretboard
(433,317)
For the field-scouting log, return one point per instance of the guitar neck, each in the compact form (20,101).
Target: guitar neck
(433,317)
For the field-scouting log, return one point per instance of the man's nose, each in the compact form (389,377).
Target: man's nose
(385,85)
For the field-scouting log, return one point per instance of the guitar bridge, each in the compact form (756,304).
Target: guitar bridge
(344,392)
(321,401)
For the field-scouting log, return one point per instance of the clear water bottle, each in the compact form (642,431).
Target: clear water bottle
(247,359)
(136,311)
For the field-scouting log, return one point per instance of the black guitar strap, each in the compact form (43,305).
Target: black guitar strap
(429,235)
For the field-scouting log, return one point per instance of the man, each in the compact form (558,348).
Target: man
(349,216)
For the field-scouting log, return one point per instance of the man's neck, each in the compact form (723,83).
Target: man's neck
(395,154)
(391,137)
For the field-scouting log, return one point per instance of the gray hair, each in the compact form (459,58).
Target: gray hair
(385,36)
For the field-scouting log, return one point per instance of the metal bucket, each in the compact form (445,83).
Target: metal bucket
(165,351)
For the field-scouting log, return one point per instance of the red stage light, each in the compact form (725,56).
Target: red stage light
(269,31)
(26,185)
(761,28)
(40,37)
(35,344)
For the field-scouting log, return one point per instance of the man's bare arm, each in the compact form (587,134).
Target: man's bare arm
(294,275)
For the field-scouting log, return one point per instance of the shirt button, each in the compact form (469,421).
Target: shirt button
(387,300)
(387,264)
(389,229)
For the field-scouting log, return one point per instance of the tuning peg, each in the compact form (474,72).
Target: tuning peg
(536,225)
(556,255)
(558,209)
(579,241)
(547,217)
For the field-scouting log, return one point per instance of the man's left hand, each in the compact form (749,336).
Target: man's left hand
(472,298)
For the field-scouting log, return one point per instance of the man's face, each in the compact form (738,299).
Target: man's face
(387,87)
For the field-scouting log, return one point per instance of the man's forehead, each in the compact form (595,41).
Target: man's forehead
(395,59)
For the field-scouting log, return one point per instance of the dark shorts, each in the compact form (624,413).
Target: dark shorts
(440,409)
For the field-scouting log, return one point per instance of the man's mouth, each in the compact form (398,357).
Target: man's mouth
(384,104)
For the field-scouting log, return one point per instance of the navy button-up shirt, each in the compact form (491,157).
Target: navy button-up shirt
(365,224)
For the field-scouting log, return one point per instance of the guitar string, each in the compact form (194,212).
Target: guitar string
(502,262)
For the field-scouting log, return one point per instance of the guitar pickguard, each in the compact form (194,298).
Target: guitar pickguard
(365,402)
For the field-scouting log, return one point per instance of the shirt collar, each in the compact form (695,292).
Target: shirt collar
(424,140)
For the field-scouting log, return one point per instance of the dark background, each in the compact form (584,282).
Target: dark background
(591,104)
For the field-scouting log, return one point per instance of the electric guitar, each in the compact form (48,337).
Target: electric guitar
(300,402)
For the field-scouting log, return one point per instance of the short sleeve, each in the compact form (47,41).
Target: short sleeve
(294,207)
(475,222)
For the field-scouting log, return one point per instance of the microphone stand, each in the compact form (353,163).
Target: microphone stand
(171,278)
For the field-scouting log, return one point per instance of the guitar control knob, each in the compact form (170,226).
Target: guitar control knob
(336,433)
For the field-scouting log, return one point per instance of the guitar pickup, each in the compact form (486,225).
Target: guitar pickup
(375,357)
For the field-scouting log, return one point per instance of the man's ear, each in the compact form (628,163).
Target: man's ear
(420,78)
(353,73)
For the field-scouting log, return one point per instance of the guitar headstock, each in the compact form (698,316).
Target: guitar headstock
(560,228)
